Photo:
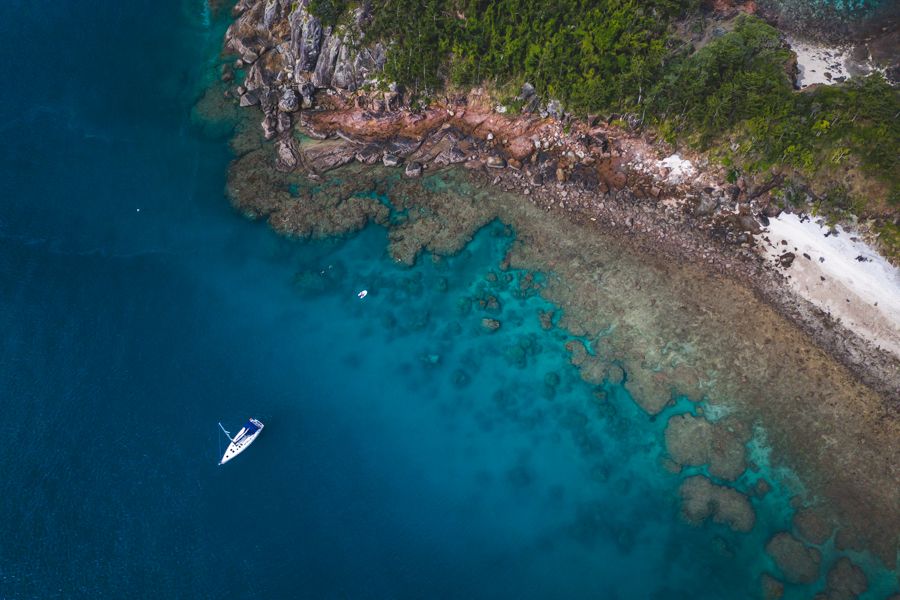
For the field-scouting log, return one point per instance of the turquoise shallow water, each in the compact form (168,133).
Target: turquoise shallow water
(407,452)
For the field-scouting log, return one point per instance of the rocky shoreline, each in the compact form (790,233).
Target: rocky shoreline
(593,171)
(607,192)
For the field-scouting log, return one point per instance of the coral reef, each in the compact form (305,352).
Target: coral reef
(725,346)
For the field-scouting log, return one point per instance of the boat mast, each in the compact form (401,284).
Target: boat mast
(226,433)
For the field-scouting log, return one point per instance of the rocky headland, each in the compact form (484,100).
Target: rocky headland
(653,255)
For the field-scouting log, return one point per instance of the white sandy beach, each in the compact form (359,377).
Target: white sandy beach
(815,60)
(840,274)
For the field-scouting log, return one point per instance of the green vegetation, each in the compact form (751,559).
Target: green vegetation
(592,54)
(328,11)
(737,90)
(737,78)
(734,98)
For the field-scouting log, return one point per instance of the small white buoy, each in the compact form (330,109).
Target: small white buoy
(139,210)
(362,294)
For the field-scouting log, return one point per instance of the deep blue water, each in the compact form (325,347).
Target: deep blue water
(407,453)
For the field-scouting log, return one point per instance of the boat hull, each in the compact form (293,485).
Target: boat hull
(246,436)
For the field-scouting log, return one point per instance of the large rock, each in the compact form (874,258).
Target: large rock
(450,156)
(495,162)
(268,100)
(270,127)
(270,14)
(306,39)
(344,76)
(249,99)
(786,259)
(702,499)
(413,169)
(244,37)
(308,93)
(554,109)
(324,71)
(289,101)
(695,441)
(370,154)
(526,92)
(268,71)
(286,156)
(747,223)
(798,562)
(327,155)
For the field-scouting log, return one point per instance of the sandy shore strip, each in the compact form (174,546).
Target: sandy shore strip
(839,273)
(817,63)
(822,64)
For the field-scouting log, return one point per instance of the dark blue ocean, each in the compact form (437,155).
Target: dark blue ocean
(407,453)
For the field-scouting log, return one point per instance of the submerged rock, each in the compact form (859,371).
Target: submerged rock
(798,562)
(490,324)
(772,589)
(546,318)
(460,378)
(702,499)
(761,488)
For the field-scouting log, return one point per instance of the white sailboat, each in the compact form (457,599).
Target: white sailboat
(242,440)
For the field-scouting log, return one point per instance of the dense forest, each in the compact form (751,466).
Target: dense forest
(732,96)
